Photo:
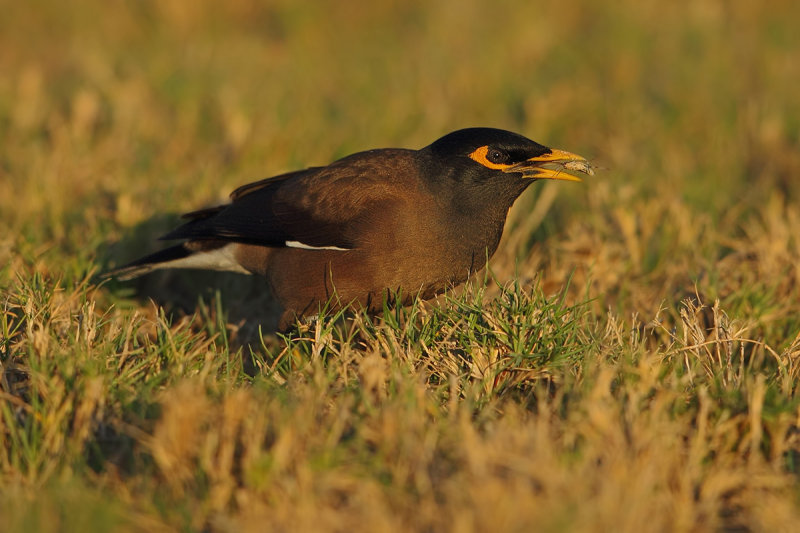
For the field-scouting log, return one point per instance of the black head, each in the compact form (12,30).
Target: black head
(476,174)
(477,169)
(480,154)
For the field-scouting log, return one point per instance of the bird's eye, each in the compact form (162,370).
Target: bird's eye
(496,156)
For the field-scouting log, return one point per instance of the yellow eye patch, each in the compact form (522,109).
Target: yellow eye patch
(480,154)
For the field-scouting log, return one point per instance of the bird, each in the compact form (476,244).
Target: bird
(378,226)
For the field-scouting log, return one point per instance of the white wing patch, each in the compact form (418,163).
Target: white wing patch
(298,244)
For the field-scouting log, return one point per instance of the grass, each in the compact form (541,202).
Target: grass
(631,362)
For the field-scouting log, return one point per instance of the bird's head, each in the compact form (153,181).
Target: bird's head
(480,154)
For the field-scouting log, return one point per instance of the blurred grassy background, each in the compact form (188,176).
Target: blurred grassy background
(113,114)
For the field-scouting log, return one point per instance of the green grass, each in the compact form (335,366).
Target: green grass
(630,364)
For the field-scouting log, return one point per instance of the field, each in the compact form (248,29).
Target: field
(630,360)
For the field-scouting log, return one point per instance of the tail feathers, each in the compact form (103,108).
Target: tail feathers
(211,255)
(149,263)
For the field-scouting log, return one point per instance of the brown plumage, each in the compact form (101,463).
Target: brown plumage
(371,225)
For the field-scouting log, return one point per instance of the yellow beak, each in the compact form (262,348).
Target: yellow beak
(554,165)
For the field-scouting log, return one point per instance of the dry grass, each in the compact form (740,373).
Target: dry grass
(632,365)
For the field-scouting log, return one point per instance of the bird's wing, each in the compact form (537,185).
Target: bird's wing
(327,207)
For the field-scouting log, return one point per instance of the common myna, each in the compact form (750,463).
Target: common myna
(371,225)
